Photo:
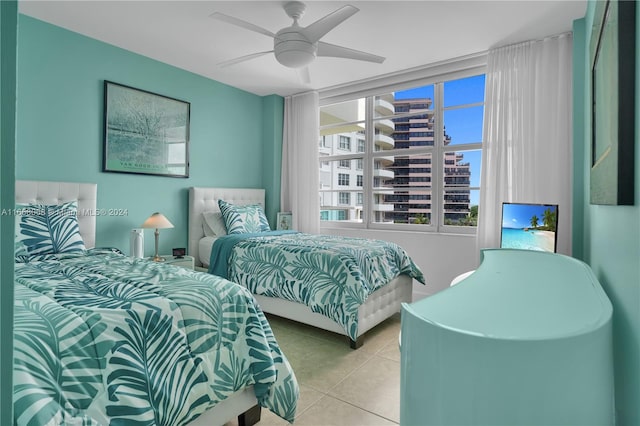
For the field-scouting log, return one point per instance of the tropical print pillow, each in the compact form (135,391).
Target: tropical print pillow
(243,219)
(48,229)
(20,252)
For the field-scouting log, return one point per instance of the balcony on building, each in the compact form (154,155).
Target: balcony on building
(383,142)
(384,161)
(383,191)
(383,207)
(383,107)
(385,126)
(384,173)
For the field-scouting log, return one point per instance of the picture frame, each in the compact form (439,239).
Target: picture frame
(529,226)
(284,221)
(144,132)
(612,60)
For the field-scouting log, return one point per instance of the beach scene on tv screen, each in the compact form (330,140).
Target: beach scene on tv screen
(529,226)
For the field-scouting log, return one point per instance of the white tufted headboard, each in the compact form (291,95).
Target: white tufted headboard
(206,199)
(45,192)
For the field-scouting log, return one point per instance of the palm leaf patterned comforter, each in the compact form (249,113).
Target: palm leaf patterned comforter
(332,275)
(101,338)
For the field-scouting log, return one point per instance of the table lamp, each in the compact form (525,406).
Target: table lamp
(157,221)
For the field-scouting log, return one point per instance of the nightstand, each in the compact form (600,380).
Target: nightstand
(185,261)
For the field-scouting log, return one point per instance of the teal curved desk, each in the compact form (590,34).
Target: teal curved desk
(524,340)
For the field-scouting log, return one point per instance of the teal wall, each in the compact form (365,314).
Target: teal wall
(609,236)
(234,135)
(8,30)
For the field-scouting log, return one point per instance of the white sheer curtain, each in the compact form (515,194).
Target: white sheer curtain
(527,155)
(299,180)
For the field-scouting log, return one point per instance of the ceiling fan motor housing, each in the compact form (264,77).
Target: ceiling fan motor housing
(292,49)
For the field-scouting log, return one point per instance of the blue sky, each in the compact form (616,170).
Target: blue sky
(463,125)
(519,215)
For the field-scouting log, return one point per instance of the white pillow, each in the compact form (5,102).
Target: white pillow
(213,224)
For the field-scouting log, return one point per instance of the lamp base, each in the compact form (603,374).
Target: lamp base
(157,258)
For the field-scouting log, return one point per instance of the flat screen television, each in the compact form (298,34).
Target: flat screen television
(529,226)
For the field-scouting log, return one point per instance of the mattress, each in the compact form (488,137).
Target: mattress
(102,338)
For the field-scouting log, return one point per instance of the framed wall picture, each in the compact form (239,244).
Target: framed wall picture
(612,55)
(144,132)
(284,221)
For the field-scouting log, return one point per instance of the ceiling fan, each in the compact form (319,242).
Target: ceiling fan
(296,46)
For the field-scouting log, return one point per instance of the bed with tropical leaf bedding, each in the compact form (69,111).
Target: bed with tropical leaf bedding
(342,284)
(332,275)
(101,338)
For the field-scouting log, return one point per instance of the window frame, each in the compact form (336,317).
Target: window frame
(344,140)
(436,75)
(344,179)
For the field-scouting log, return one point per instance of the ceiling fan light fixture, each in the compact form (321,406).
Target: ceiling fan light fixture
(292,49)
(295,58)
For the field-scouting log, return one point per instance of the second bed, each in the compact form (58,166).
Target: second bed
(379,302)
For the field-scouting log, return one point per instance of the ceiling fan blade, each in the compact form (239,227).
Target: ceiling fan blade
(304,75)
(240,23)
(242,59)
(331,50)
(318,29)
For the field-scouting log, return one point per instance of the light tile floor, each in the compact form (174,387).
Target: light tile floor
(339,385)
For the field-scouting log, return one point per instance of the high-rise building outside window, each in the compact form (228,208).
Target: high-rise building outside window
(418,156)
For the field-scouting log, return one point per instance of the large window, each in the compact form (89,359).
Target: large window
(418,156)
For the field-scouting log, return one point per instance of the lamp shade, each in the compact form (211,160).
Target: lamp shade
(158,221)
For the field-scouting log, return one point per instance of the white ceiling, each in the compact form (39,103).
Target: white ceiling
(408,33)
